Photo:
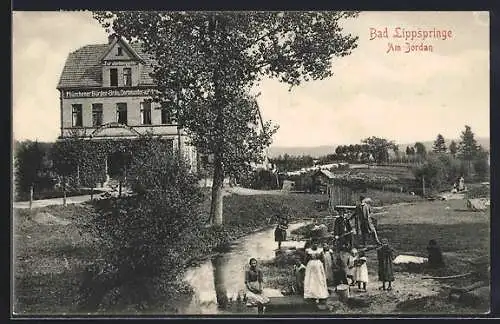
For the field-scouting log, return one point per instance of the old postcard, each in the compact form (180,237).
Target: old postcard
(250,163)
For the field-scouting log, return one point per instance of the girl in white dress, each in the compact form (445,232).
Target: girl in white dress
(315,286)
(328,263)
(361,273)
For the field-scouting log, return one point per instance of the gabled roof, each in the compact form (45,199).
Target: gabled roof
(118,39)
(83,67)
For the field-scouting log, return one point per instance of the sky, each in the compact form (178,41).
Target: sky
(405,97)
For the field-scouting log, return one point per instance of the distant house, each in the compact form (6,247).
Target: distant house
(321,179)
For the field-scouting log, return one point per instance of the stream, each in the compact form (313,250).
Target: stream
(226,272)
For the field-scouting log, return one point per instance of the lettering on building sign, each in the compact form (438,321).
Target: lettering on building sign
(108,93)
(119,63)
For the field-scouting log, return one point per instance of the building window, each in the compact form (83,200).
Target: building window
(146,112)
(77,115)
(96,114)
(113,77)
(121,113)
(127,77)
(119,51)
(166,117)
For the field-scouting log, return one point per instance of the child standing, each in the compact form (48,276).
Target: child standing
(350,263)
(361,271)
(299,270)
(328,263)
(385,255)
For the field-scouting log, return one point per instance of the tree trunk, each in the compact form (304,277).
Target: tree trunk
(220,289)
(120,188)
(92,193)
(31,196)
(217,187)
(216,216)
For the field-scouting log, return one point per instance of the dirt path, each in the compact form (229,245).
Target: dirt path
(81,199)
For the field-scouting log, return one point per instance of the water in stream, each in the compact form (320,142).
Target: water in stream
(226,273)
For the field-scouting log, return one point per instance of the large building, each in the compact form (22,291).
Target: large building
(105,93)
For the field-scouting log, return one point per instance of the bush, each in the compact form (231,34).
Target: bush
(141,236)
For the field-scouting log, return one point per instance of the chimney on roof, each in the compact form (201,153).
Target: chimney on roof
(111,37)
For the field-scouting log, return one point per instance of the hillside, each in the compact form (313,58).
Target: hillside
(322,150)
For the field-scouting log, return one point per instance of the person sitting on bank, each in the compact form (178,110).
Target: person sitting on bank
(435,257)
(253,284)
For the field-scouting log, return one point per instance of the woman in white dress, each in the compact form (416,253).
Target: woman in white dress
(315,286)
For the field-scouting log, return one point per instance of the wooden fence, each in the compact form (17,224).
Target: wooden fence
(341,195)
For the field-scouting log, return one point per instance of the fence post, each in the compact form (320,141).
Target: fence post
(423,186)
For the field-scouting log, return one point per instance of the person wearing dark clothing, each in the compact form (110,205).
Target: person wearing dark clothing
(385,256)
(435,259)
(299,270)
(339,272)
(363,222)
(280,231)
(342,230)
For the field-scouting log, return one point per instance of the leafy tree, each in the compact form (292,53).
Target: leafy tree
(420,150)
(433,172)
(410,150)
(32,167)
(207,61)
(453,148)
(379,148)
(65,155)
(439,145)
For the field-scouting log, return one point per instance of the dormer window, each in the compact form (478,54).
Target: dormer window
(127,77)
(119,51)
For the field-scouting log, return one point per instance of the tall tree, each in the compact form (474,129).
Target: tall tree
(453,148)
(205,60)
(420,150)
(467,147)
(439,145)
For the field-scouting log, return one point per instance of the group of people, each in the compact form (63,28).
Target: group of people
(324,267)
(363,225)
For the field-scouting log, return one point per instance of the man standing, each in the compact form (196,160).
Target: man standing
(363,222)
(343,232)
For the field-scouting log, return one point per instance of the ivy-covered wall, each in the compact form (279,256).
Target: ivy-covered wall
(84,162)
